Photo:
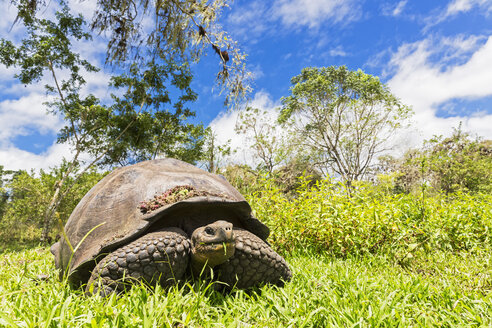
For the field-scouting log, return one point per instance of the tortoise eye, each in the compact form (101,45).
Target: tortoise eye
(209,231)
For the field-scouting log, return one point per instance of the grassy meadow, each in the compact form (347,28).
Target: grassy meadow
(377,259)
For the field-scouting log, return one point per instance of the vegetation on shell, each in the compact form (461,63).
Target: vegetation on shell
(174,195)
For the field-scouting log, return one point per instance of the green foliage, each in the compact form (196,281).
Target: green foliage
(242,177)
(449,165)
(324,219)
(48,46)
(5,177)
(459,163)
(142,122)
(30,195)
(214,152)
(153,124)
(344,117)
(181,30)
(295,173)
(376,259)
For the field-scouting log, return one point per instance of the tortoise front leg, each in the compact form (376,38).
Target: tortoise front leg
(156,257)
(254,263)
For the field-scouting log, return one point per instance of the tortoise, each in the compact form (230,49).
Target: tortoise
(161,221)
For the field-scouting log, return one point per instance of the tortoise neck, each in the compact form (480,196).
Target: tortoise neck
(199,265)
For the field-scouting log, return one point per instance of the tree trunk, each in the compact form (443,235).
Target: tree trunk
(49,213)
(211,161)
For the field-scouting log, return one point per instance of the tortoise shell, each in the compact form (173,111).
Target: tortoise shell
(141,198)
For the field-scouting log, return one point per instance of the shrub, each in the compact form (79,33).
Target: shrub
(324,219)
(29,195)
(453,164)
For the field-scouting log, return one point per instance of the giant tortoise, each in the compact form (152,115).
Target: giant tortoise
(161,221)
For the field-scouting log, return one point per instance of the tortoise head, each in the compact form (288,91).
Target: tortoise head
(211,245)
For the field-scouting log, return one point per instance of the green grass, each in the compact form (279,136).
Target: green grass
(442,289)
(377,259)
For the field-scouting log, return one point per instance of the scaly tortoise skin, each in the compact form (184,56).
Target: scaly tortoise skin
(161,221)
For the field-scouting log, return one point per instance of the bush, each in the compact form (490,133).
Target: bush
(29,194)
(324,219)
(453,164)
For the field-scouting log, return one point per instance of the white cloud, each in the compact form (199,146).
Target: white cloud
(84,7)
(456,7)
(224,126)
(399,8)
(461,6)
(256,18)
(9,13)
(97,84)
(426,84)
(313,13)
(26,115)
(462,44)
(337,52)
(20,116)
(257,72)
(249,21)
(13,158)
(392,10)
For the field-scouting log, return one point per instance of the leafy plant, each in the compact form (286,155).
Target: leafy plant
(456,163)
(324,219)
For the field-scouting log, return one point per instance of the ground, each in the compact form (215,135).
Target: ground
(430,289)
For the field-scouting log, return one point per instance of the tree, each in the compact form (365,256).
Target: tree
(214,152)
(296,172)
(344,117)
(153,125)
(141,124)
(175,30)
(460,162)
(407,172)
(273,146)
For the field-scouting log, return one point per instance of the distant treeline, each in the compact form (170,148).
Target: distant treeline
(445,167)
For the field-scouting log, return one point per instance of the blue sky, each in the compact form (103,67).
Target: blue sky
(434,55)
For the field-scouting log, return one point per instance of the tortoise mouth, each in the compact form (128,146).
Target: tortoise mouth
(212,244)
(215,246)
(212,254)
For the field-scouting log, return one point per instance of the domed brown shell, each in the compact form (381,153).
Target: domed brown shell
(109,216)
